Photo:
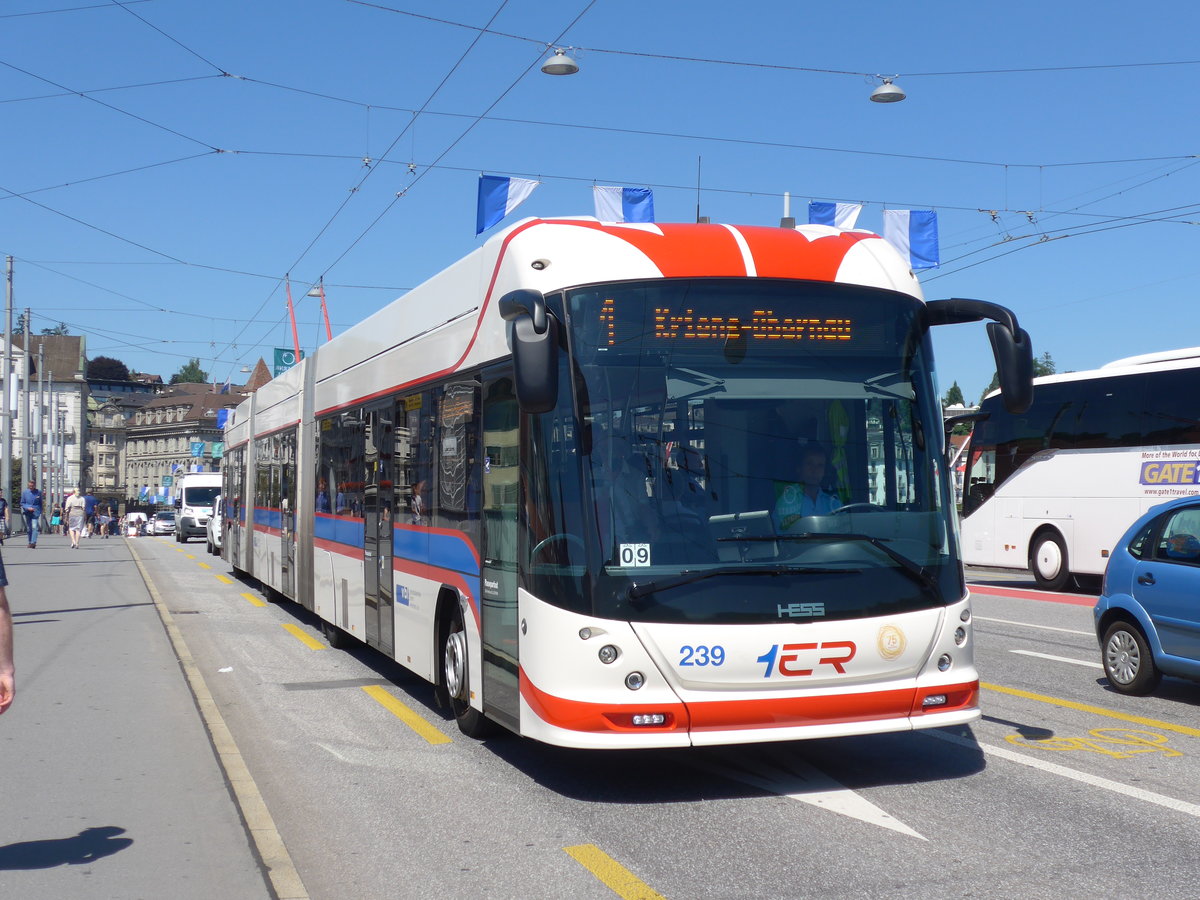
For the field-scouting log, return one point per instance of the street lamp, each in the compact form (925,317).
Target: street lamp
(888,91)
(560,64)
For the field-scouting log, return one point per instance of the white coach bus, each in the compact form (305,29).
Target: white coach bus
(548,480)
(1051,490)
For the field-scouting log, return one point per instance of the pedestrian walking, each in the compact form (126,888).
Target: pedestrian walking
(3,519)
(31,509)
(90,504)
(76,512)
(7,682)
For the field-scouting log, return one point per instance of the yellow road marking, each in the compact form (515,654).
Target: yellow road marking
(1095,710)
(224,579)
(204,565)
(255,601)
(405,715)
(619,879)
(189,556)
(303,636)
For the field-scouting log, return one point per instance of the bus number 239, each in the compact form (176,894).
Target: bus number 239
(701,655)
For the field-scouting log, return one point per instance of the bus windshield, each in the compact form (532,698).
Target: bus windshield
(741,451)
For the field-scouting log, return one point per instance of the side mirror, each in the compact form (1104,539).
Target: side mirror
(1010,344)
(1014,366)
(535,349)
(951,422)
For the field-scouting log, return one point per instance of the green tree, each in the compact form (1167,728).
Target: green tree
(1042,365)
(60,328)
(105,368)
(190,374)
(953,396)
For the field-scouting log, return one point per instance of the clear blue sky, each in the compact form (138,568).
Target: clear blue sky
(127,224)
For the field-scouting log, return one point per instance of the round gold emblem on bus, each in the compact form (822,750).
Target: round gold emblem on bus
(891,642)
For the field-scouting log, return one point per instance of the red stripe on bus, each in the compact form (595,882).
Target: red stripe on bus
(732,715)
(453,367)
(783,253)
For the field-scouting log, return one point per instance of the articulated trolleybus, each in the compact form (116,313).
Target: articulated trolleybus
(620,486)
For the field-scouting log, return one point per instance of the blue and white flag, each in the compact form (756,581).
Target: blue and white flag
(498,196)
(839,215)
(914,233)
(618,204)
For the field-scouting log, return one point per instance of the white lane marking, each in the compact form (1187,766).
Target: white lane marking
(798,780)
(1041,627)
(1116,787)
(1066,659)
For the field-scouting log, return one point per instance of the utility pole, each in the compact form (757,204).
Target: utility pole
(39,459)
(6,405)
(26,450)
(52,441)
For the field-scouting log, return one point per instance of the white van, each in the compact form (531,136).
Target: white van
(198,491)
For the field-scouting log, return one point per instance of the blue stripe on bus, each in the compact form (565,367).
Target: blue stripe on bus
(443,551)
(269,518)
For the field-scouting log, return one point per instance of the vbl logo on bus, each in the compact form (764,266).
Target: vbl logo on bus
(786,658)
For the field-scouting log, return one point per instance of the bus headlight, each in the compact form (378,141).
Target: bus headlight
(608,654)
(635,680)
(960,636)
(944,662)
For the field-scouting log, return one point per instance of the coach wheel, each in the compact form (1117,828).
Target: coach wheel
(1049,562)
(456,673)
(1128,663)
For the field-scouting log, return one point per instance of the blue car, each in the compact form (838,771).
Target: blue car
(1148,614)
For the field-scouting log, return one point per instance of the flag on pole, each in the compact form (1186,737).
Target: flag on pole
(498,196)
(618,204)
(914,233)
(839,215)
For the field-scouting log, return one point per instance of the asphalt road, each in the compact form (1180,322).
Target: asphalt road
(1064,787)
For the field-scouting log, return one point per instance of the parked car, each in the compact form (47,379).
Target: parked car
(214,528)
(163,523)
(1147,617)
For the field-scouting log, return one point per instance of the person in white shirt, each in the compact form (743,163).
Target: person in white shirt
(807,497)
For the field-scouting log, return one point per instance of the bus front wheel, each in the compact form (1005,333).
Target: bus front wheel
(1049,563)
(456,675)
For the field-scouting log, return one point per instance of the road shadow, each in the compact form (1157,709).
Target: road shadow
(1177,690)
(88,846)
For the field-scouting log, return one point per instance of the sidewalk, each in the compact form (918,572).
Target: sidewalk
(109,785)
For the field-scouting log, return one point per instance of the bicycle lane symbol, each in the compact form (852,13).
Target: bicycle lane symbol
(1118,743)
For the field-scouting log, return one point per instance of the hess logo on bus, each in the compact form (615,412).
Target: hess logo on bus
(801,660)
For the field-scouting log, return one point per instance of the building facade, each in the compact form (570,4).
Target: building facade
(179,430)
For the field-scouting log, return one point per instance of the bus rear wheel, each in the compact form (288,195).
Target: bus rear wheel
(1049,562)
(457,678)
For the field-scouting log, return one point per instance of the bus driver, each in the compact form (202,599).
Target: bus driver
(808,497)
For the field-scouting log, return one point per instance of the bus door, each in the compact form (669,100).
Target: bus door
(500,497)
(379,517)
(287,513)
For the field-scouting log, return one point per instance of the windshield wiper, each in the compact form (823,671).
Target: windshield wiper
(638,591)
(917,572)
